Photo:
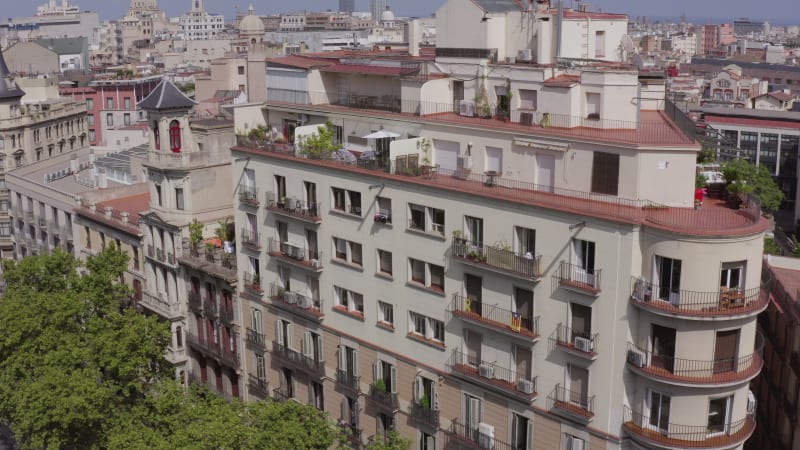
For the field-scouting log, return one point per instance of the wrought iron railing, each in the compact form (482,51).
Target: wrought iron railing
(494,315)
(527,264)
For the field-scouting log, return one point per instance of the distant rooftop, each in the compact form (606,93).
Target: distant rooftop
(166,96)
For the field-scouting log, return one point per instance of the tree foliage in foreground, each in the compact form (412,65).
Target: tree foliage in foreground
(71,353)
(173,417)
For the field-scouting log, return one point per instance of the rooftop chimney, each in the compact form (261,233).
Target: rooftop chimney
(74,166)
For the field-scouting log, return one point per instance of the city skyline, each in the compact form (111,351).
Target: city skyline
(421,8)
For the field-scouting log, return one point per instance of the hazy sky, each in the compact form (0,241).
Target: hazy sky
(719,10)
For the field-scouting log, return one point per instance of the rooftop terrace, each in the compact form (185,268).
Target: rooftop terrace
(655,128)
(712,219)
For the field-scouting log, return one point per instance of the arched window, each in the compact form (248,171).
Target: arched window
(175,136)
(156,135)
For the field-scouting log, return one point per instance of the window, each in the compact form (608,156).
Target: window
(427,219)
(179,199)
(90,119)
(472,415)
(317,395)
(386,313)
(668,279)
(175,136)
(156,135)
(599,44)
(521,432)
(732,275)
(283,333)
(719,410)
(347,251)
(158,194)
(88,233)
(426,441)
(525,241)
(426,274)
(659,411)
(126,119)
(473,231)
(383,212)
(127,103)
(426,327)
(261,369)
(110,119)
(573,443)
(385,262)
(605,173)
(89,104)
(240,70)
(528,99)
(109,103)
(346,201)
(92,136)
(348,300)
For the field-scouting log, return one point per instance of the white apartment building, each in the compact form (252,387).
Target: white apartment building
(506,272)
(199,24)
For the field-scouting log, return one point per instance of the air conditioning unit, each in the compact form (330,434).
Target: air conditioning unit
(525,54)
(486,371)
(466,108)
(525,386)
(511,60)
(289,298)
(751,403)
(485,436)
(636,358)
(315,263)
(299,253)
(465,162)
(304,302)
(583,344)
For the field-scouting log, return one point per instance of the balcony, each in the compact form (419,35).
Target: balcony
(258,387)
(309,212)
(213,349)
(298,360)
(573,404)
(471,437)
(256,339)
(161,305)
(578,279)
(425,415)
(248,195)
(497,259)
(295,255)
(713,219)
(695,372)
(670,436)
(296,303)
(29,217)
(251,239)
(185,160)
(383,398)
(349,380)
(209,307)
(495,318)
(493,376)
(282,394)
(576,342)
(723,303)
(227,315)
(252,283)
(211,260)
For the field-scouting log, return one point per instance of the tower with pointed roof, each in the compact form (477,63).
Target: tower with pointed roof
(189,177)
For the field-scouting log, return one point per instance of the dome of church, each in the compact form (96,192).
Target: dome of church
(251,25)
(387,16)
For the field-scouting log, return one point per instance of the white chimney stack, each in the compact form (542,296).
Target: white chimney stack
(73,164)
(102,180)
(414,37)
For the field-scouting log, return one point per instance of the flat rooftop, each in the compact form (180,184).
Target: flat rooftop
(132,205)
(713,219)
(37,172)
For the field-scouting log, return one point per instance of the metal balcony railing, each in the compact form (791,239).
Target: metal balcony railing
(723,435)
(295,254)
(256,338)
(578,340)
(300,209)
(248,195)
(494,316)
(524,265)
(672,299)
(382,397)
(574,401)
(577,277)
(296,302)
(258,386)
(493,374)
(251,239)
(252,282)
(349,379)
(425,414)
(712,371)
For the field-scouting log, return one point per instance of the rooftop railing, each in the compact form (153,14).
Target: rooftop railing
(658,131)
(712,219)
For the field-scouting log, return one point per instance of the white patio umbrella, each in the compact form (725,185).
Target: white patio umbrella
(381,134)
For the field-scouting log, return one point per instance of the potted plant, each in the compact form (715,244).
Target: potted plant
(380,385)
(224,233)
(195,233)
(425,401)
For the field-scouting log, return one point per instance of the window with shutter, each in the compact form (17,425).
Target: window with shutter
(605,173)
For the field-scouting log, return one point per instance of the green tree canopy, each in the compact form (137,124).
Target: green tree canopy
(393,441)
(72,353)
(744,177)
